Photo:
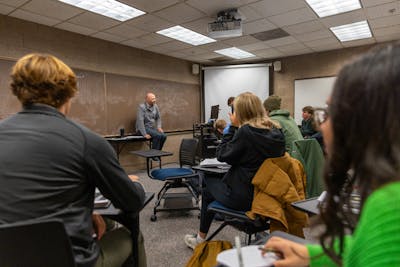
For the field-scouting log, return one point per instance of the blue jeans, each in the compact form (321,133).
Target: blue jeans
(158,139)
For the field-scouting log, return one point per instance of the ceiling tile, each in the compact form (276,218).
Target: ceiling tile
(180,13)
(344,18)
(384,22)
(13,3)
(238,41)
(388,37)
(125,30)
(269,8)
(314,35)
(268,53)
(149,5)
(21,14)
(387,30)
(257,26)
(199,25)
(299,52)
(211,8)
(332,41)
(300,28)
(249,14)
(293,17)
(4,9)
(153,39)
(109,37)
(281,41)
(215,46)
(75,28)
(93,21)
(291,47)
(194,51)
(383,10)
(208,56)
(173,46)
(150,23)
(326,48)
(52,9)
(369,3)
(254,47)
(359,42)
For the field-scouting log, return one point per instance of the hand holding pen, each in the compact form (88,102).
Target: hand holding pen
(290,254)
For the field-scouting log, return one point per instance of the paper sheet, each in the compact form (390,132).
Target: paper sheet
(251,257)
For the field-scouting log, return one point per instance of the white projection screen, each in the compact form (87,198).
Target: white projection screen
(311,92)
(222,82)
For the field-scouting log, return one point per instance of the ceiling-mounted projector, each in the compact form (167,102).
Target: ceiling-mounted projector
(228,24)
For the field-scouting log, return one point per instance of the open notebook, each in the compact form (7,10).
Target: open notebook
(251,256)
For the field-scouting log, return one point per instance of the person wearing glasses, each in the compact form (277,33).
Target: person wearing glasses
(361,129)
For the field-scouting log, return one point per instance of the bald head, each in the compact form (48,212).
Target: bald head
(150,99)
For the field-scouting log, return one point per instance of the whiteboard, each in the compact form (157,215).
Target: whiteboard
(311,92)
(222,82)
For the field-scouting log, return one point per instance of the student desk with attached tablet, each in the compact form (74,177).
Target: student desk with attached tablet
(119,142)
(130,221)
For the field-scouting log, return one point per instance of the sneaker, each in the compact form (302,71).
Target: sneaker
(191,241)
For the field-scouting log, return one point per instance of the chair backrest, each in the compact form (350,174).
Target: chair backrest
(187,152)
(35,244)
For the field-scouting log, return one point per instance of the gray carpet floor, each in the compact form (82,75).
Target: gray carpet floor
(164,238)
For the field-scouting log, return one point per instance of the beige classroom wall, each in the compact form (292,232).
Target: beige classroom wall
(18,37)
(314,65)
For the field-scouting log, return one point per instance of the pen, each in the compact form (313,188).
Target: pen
(239,251)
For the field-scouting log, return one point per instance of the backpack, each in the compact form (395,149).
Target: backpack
(205,253)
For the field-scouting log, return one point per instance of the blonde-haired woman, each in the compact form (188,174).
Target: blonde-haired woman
(252,138)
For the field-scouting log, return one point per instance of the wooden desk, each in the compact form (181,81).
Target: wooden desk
(130,221)
(119,142)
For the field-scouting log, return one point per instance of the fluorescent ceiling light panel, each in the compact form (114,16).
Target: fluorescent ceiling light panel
(108,8)
(185,35)
(325,8)
(353,31)
(234,52)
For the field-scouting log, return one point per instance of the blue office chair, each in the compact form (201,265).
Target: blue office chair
(35,244)
(238,220)
(183,176)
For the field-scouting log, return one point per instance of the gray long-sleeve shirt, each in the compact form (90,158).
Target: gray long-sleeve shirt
(147,117)
(49,168)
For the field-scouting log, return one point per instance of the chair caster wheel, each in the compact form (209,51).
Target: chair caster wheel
(153,218)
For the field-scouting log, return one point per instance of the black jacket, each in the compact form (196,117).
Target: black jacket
(49,168)
(246,149)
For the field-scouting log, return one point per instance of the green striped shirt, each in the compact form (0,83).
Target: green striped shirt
(376,240)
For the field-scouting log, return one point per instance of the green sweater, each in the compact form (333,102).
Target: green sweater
(376,240)
(289,127)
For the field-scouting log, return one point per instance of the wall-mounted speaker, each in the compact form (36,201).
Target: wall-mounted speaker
(195,69)
(277,65)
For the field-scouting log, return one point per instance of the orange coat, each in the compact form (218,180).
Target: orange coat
(278,183)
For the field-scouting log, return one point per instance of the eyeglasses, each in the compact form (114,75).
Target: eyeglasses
(320,116)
